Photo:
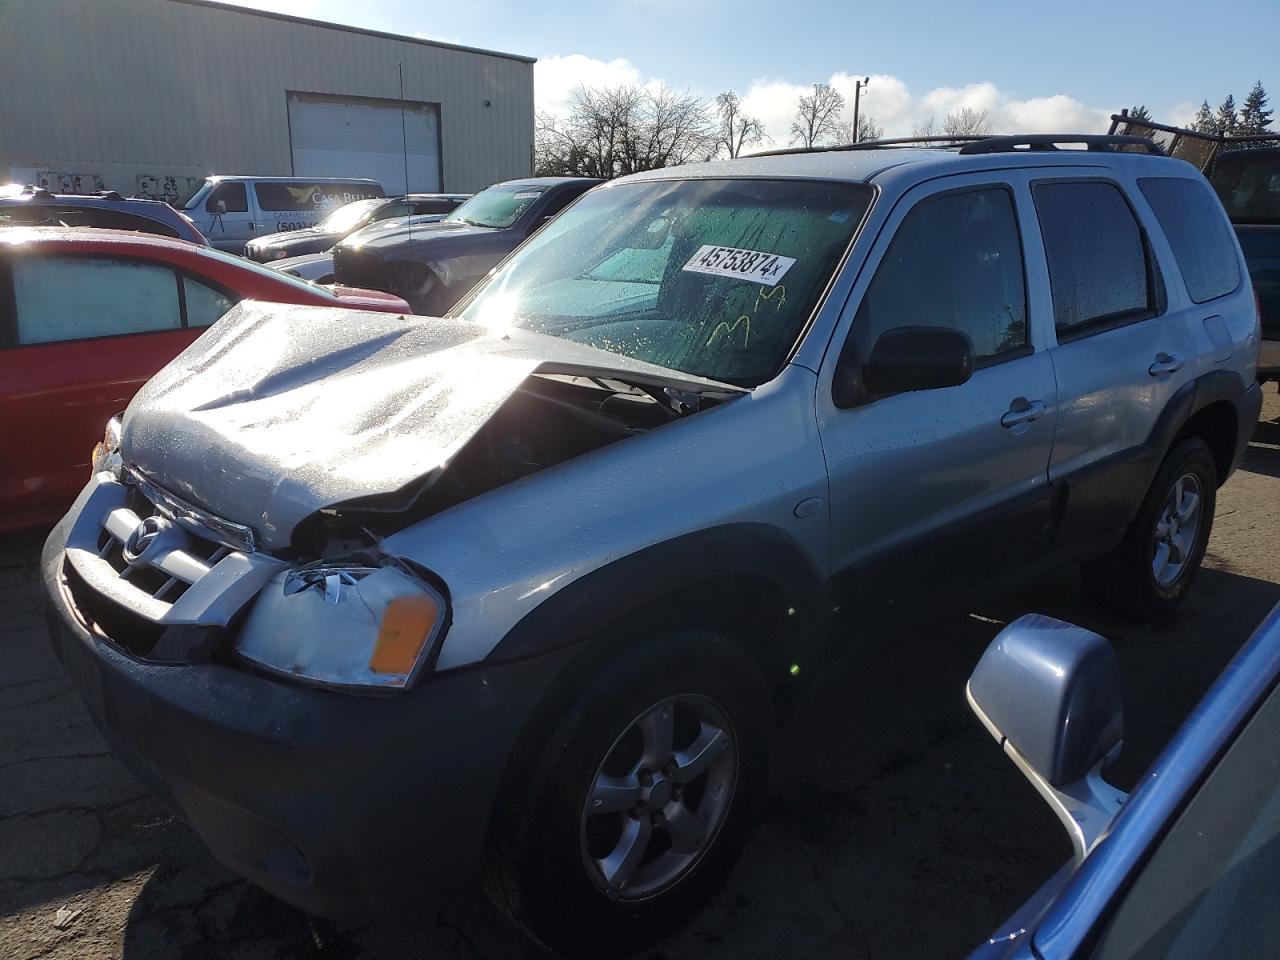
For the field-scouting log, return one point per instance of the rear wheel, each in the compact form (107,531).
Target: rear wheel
(640,801)
(1150,572)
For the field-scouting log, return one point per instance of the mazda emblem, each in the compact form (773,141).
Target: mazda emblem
(142,536)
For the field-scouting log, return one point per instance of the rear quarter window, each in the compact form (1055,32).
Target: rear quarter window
(1196,228)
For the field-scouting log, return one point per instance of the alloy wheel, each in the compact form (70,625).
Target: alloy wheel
(1176,530)
(659,797)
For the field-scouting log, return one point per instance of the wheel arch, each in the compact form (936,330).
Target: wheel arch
(750,582)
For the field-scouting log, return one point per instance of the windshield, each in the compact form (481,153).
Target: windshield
(348,217)
(715,278)
(193,197)
(499,206)
(1248,182)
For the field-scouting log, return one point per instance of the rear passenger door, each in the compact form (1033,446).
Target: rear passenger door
(1124,349)
(936,492)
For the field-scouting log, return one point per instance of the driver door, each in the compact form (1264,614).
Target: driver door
(936,492)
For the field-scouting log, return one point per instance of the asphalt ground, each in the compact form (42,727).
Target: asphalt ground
(895,828)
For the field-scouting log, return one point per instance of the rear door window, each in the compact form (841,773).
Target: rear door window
(1201,238)
(74,298)
(232,193)
(1100,271)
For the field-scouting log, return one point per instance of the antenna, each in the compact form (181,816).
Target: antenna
(404,144)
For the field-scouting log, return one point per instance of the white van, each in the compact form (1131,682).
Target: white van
(231,211)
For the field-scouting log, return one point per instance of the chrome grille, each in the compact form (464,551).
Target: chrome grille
(175,561)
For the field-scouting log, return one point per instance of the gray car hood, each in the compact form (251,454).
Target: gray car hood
(277,411)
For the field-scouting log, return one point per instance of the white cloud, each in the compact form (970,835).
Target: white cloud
(890,102)
(556,78)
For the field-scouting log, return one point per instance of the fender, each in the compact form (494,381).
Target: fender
(739,551)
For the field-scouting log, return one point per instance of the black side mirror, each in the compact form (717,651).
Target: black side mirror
(1049,692)
(918,358)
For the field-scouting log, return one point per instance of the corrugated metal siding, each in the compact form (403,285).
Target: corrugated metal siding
(128,87)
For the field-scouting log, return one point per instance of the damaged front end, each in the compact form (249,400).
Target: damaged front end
(239,514)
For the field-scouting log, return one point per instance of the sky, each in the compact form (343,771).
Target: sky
(1033,65)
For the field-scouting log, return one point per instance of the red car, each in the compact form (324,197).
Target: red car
(87,317)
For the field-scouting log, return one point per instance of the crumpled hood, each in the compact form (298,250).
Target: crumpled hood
(277,411)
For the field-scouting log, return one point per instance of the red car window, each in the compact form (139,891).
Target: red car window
(73,298)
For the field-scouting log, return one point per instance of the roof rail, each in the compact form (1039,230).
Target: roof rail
(873,145)
(108,194)
(1100,142)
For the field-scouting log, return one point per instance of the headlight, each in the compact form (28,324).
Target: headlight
(375,624)
(106,453)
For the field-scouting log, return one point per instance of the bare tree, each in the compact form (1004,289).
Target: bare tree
(967,122)
(737,131)
(927,128)
(611,131)
(817,118)
(867,130)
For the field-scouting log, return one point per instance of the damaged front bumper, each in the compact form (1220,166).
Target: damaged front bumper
(341,805)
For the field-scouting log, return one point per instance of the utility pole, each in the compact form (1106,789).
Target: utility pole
(857,96)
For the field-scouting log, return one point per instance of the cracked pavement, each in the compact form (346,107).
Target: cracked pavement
(895,826)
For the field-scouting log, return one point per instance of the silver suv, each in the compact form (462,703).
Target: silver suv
(384,605)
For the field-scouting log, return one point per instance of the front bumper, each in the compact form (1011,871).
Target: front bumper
(341,805)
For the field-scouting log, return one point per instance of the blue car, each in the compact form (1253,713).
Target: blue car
(1188,865)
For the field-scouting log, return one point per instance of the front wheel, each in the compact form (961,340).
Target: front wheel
(640,802)
(1150,572)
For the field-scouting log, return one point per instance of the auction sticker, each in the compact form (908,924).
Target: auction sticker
(766,268)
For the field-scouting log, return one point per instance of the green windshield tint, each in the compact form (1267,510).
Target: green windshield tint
(710,277)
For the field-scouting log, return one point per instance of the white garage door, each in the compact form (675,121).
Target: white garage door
(347,137)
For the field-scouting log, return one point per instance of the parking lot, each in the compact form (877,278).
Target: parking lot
(896,828)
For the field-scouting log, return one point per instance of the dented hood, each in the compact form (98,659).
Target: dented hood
(277,411)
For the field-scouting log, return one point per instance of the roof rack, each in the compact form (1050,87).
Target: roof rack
(1098,142)
(874,145)
(971,145)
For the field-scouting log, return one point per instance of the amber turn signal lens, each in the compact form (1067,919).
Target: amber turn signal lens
(406,625)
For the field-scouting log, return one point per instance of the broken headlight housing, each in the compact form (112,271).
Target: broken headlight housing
(359,624)
(106,452)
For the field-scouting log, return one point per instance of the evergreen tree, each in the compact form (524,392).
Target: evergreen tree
(1140,112)
(1226,119)
(1204,122)
(1254,115)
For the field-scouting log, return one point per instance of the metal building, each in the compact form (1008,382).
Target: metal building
(150,96)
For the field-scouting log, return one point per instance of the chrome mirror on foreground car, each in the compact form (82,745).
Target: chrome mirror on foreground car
(1049,692)
(918,358)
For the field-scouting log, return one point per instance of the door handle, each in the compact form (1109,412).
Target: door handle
(1022,411)
(1164,365)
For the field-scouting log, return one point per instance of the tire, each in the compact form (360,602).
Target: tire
(546,852)
(1131,578)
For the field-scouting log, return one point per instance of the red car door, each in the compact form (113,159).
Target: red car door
(79,334)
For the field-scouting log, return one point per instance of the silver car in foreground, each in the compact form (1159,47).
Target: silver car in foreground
(387,605)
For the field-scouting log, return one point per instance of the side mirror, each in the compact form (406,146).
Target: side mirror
(216,206)
(918,358)
(1049,692)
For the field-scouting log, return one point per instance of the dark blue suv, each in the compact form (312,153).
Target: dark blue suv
(37,207)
